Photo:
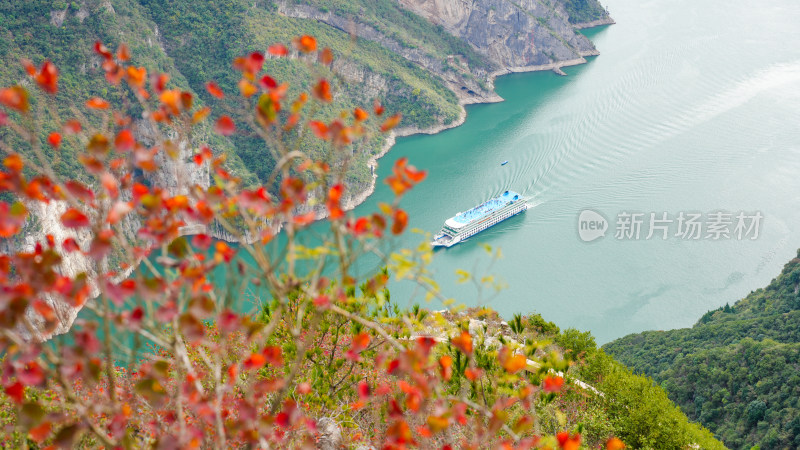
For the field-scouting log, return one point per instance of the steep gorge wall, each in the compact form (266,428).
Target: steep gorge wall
(513,34)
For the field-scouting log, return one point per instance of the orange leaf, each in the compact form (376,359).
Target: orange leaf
(305,43)
(124,141)
(136,76)
(391,122)
(73,218)
(463,342)
(123,54)
(16,391)
(201,114)
(446,367)
(41,432)
(214,89)
(614,444)
(553,383)
(273,355)
(246,88)
(255,361)
(378,108)
(47,78)
(278,50)
(13,162)
(319,129)
(322,91)
(11,218)
(225,126)
(326,56)
(72,127)
(97,103)
(360,115)
(360,341)
(400,221)
(54,140)
(102,50)
(569,441)
(515,363)
(15,97)
(438,423)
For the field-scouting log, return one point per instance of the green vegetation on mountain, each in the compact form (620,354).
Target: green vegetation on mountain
(194,42)
(634,408)
(581,11)
(737,371)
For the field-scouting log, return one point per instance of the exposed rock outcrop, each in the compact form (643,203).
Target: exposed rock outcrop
(512,34)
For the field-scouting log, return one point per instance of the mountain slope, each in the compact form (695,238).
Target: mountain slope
(735,371)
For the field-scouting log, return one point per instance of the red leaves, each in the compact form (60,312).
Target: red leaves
(15,98)
(326,56)
(511,362)
(404,177)
(360,115)
(304,220)
(273,355)
(118,211)
(41,432)
(553,383)
(246,88)
(254,361)
(124,142)
(250,65)
(391,122)
(73,218)
(16,391)
(13,162)
(102,50)
(305,43)
(463,342)
(400,221)
(319,129)
(54,139)
(614,444)
(569,441)
(214,89)
(278,50)
(446,367)
(333,205)
(97,103)
(136,76)
(225,126)
(46,77)
(12,218)
(322,91)
(359,344)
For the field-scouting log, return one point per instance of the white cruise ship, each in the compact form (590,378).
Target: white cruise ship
(468,223)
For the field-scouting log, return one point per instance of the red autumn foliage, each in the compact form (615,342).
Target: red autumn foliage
(204,370)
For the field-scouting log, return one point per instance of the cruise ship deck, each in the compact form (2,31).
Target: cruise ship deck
(482,210)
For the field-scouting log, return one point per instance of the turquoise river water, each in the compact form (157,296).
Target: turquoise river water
(691,107)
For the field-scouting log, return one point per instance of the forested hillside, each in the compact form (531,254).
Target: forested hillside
(737,371)
(412,65)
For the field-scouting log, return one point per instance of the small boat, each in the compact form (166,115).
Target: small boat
(504,163)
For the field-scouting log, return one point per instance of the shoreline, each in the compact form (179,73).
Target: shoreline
(391,139)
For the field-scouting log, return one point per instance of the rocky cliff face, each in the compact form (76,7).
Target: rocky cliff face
(513,34)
